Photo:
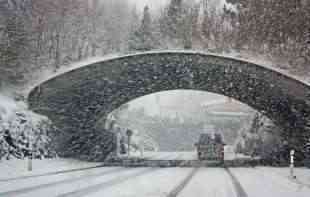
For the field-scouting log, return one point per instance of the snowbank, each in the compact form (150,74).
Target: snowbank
(22,130)
(8,107)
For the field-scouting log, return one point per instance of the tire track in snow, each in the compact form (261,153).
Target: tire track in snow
(65,181)
(238,188)
(51,173)
(102,186)
(176,191)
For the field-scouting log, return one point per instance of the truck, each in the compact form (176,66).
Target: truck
(210,147)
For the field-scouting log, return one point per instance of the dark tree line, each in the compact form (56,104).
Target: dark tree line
(273,26)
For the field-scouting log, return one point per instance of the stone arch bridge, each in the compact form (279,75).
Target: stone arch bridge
(75,101)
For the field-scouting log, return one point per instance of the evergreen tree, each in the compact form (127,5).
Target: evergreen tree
(238,148)
(205,29)
(172,22)
(190,26)
(174,16)
(14,46)
(205,26)
(143,38)
(306,47)
(195,22)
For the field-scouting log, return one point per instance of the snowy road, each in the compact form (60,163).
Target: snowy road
(159,182)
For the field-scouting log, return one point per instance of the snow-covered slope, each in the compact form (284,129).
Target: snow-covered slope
(19,127)
(17,168)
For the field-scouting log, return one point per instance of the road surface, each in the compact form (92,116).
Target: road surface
(229,155)
(155,182)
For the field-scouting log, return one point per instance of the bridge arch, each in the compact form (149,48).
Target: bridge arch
(76,100)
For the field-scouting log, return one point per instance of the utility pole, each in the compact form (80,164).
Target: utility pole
(129,134)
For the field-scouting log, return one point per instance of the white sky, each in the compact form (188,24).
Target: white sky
(155,4)
(171,99)
(181,101)
(151,3)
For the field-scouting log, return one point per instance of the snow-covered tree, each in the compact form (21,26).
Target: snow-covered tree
(143,39)
(23,132)
(172,23)
(14,42)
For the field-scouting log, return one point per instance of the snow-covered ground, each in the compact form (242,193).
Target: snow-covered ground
(302,174)
(210,182)
(155,184)
(147,182)
(16,168)
(259,182)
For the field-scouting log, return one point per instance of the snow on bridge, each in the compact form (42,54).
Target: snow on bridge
(80,98)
